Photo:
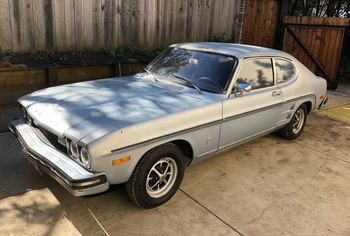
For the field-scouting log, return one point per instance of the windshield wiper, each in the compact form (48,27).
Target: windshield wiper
(188,82)
(144,69)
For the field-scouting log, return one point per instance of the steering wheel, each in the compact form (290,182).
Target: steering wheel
(212,82)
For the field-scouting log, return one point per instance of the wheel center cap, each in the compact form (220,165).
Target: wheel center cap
(162,178)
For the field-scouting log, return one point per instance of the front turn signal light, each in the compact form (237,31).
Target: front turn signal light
(120,161)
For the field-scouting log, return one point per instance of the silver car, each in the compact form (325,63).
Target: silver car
(193,101)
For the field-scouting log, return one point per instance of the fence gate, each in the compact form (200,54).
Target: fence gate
(317,42)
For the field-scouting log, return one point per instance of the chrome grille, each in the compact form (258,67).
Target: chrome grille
(49,138)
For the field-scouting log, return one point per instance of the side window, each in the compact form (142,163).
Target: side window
(257,72)
(285,71)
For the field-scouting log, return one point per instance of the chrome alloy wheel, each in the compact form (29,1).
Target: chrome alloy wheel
(161,177)
(298,121)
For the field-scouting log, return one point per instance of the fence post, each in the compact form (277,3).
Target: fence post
(116,70)
(52,76)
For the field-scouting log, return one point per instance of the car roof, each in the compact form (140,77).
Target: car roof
(236,50)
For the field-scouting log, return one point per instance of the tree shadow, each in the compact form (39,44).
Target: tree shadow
(34,211)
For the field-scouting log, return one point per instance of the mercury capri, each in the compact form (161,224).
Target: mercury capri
(194,101)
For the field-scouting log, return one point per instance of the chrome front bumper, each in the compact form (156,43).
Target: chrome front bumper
(77,180)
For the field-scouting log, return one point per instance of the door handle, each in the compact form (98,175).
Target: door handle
(276,93)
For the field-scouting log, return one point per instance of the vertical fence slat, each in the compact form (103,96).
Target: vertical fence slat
(261,27)
(247,21)
(301,33)
(97,24)
(5,26)
(337,52)
(124,22)
(88,24)
(272,18)
(70,24)
(317,46)
(182,8)
(304,38)
(39,25)
(203,20)
(159,34)
(50,40)
(169,6)
(16,27)
(216,21)
(330,49)
(79,24)
(313,43)
(28,22)
(117,35)
(189,18)
(151,41)
(60,23)
(104,27)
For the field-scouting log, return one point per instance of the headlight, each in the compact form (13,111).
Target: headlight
(29,119)
(73,149)
(23,112)
(78,153)
(84,157)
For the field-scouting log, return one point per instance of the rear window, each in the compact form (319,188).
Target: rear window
(285,71)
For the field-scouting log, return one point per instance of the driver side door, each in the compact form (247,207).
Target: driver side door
(254,113)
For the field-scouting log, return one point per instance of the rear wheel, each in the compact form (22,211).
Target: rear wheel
(157,176)
(296,125)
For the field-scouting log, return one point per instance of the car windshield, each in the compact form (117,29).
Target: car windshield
(206,71)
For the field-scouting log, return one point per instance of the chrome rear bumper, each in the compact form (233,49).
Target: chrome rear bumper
(77,180)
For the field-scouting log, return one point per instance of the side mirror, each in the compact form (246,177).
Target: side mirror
(243,88)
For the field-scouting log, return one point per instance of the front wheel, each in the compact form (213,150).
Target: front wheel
(157,176)
(296,125)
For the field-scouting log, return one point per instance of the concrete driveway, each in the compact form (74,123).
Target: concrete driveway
(269,186)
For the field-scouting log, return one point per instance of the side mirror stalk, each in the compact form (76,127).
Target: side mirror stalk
(243,88)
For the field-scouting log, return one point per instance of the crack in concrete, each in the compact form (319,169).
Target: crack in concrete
(212,213)
(208,173)
(99,223)
(334,157)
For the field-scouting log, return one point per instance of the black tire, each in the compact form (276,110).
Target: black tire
(296,125)
(166,160)
(333,86)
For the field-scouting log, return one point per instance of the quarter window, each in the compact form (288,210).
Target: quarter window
(285,71)
(257,72)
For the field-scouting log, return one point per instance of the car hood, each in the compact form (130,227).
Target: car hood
(77,110)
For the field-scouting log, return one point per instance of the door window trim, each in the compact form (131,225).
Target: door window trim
(239,68)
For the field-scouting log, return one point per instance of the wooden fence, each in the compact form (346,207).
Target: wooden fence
(260,22)
(47,25)
(317,42)
(15,82)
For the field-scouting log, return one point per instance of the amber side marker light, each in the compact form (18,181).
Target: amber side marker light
(120,161)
